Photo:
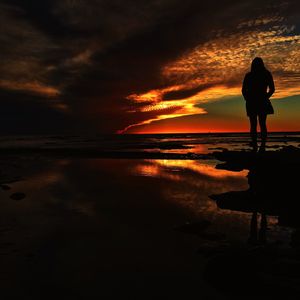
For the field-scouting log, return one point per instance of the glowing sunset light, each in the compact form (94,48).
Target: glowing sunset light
(172,170)
(152,96)
(215,69)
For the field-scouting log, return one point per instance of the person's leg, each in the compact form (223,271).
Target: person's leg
(263,130)
(253,131)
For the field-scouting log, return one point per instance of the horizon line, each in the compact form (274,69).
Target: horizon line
(208,132)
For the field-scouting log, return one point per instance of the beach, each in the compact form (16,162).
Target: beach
(141,217)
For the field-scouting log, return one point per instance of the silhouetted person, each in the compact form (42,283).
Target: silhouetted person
(258,87)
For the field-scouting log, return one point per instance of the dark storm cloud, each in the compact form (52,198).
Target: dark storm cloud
(95,53)
(23,114)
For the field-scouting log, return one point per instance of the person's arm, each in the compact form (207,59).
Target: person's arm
(245,89)
(271,86)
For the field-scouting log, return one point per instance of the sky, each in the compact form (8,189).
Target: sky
(147,66)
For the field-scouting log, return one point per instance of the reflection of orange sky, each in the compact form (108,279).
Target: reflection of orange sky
(154,170)
(158,167)
(43,179)
(199,187)
(199,167)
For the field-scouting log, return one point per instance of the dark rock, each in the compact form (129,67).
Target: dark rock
(18,196)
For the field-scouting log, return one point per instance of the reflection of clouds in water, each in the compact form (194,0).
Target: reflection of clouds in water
(152,170)
(190,182)
(200,167)
(160,167)
(51,190)
(44,178)
(187,182)
(189,185)
(101,188)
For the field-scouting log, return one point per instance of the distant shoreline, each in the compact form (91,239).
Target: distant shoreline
(151,146)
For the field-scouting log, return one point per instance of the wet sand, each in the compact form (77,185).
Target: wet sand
(136,229)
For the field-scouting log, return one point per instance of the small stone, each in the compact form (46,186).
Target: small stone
(18,196)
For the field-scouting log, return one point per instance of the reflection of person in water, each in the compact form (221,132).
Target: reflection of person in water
(261,238)
(259,190)
(258,87)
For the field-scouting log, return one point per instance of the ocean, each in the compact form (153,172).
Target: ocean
(165,143)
